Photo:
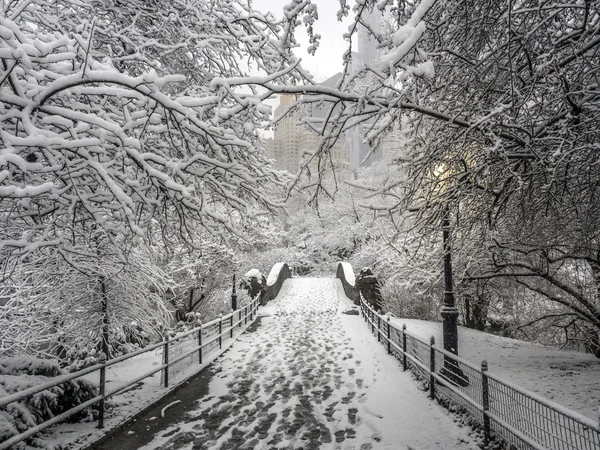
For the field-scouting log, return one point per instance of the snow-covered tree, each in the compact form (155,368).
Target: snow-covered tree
(203,277)
(117,119)
(122,113)
(499,102)
(85,302)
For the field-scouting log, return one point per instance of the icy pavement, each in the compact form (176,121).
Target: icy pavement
(311,377)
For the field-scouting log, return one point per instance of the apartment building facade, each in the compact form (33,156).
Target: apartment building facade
(294,141)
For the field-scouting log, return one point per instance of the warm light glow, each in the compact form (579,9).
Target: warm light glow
(439,170)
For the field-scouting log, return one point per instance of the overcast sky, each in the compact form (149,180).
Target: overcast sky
(328,59)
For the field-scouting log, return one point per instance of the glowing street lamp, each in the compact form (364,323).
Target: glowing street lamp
(449,310)
(449,313)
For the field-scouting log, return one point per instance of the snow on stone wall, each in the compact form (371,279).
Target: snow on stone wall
(274,274)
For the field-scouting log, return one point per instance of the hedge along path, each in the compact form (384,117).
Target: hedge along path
(312,377)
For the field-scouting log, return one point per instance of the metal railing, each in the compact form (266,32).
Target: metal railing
(209,338)
(505,411)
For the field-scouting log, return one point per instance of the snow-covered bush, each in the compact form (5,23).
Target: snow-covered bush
(81,352)
(264,259)
(74,307)
(254,283)
(19,373)
(201,275)
(192,320)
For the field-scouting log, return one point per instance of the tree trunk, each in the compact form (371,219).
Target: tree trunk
(191,300)
(468,317)
(105,322)
(593,343)
(480,310)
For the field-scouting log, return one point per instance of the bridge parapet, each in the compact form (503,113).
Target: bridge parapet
(278,274)
(346,274)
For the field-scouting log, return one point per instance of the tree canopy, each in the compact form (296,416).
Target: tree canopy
(119,114)
(497,109)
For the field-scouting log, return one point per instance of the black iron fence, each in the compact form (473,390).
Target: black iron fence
(178,354)
(505,411)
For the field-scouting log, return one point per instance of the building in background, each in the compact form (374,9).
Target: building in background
(294,141)
(269,146)
(359,152)
(286,135)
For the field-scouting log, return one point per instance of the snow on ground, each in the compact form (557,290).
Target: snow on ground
(312,377)
(565,377)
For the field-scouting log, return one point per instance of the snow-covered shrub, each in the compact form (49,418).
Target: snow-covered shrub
(29,366)
(410,301)
(264,259)
(410,285)
(20,373)
(60,308)
(81,353)
(254,283)
(369,287)
(192,320)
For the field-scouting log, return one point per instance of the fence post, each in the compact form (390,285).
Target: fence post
(404,347)
(246,315)
(233,295)
(389,336)
(372,318)
(200,345)
(166,360)
(240,319)
(486,401)
(220,332)
(378,328)
(102,391)
(231,326)
(362,307)
(431,367)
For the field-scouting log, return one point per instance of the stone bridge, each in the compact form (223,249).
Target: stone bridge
(315,367)
(306,375)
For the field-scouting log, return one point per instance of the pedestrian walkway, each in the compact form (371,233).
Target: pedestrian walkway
(311,377)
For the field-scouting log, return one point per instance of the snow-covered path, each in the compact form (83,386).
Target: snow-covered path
(312,377)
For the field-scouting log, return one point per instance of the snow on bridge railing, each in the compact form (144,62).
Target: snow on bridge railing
(278,274)
(346,275)
(504,410)
(199,345)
